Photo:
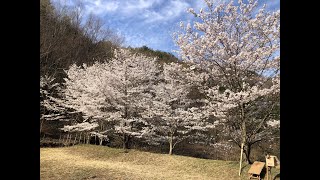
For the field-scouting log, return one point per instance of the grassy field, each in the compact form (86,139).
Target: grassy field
(99,162)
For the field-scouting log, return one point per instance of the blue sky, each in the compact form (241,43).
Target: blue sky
(148,22)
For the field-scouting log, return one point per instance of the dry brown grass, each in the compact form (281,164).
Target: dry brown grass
(98,162)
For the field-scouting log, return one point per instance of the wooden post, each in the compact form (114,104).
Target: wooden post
(242,144)
(267,172)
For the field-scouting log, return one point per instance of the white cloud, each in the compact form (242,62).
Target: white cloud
(122,8)
(197,4)
(171,10)
(147,11)
(152,16)
(100,7)
(271,4)
(63,2)
(138,5)
(175,8)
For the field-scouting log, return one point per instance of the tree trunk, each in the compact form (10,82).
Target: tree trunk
(247,153)
(100,141)
(80,138)
(70,137)
(41,124)
(88,138)
(66,138)
(127,141)
(63,138)
(170,143)
(243,135)
(123,141)
(75,139)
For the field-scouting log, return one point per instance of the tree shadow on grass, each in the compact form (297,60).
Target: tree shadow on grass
(245,165)
(263,175)
(276,176)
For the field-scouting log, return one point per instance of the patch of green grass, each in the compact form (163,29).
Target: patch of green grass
(100,162)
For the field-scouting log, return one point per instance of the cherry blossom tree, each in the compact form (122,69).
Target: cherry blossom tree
(51,101)
(240,47)
(172,118)
(115,91)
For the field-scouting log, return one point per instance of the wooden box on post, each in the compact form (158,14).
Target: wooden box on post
(271,161)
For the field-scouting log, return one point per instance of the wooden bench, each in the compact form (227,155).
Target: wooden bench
(255,170)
